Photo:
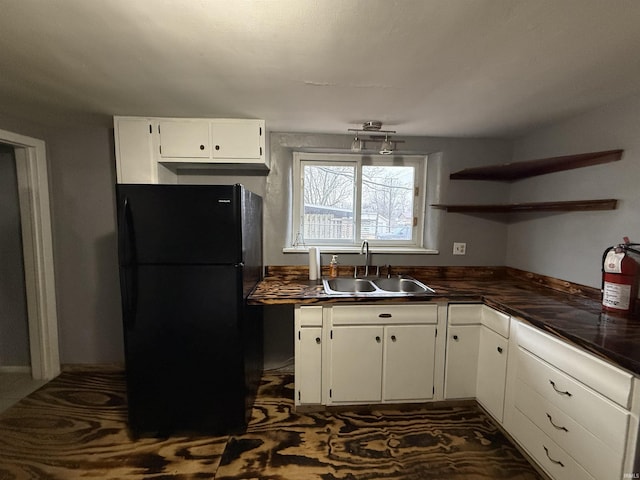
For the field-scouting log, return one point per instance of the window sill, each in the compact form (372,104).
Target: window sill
(372,249)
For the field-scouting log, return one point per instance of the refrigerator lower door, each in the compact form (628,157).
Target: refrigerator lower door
(184,348)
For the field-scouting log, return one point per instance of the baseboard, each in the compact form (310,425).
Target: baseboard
(91,367)
(15,369)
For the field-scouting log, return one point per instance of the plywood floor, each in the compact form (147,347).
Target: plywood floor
(75,427)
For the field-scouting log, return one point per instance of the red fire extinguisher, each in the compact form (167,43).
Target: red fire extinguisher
(620,274)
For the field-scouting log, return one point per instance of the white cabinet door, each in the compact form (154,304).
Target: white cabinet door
(308,354)
(237,140)
(356,364)
(134,150)
(308,366)
(492,371)
(462,361)
(185,139)
(409,361)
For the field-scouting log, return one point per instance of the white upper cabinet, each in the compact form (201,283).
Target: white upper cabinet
(185,139)
(134,150)
(238,140)
(151,149)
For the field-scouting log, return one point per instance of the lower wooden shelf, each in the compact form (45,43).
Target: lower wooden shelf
(565,206)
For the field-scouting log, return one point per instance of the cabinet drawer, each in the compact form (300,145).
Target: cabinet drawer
(593,372)
(558,463)
(599,458)
(310,316)
(598,415)
(495,320)
(464,314)
(383,314)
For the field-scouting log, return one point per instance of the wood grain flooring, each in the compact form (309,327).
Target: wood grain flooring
(75,428)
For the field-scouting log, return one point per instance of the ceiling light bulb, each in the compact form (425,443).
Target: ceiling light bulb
(386,148)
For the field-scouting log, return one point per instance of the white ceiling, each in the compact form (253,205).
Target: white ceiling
(423,67)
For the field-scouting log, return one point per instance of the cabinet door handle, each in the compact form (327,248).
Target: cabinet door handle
(217,147)
(499,349)
(393,338)
(317,339)
(385,315)
(455,337)
(201,147)
(568,394)
(557,462)
(557,427)
(378,339)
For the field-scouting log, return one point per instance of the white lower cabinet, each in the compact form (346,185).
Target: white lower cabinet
(463,342)
(492,370)
(477,352)
(371,353)
(308,355)
(355,364)
(571,411)
(381,353)
(463,339)
(409,362)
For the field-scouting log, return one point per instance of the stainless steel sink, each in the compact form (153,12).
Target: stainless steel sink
(349,285)
(400,285)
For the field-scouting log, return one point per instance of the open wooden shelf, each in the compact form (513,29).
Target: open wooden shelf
(565,206)
(509,172)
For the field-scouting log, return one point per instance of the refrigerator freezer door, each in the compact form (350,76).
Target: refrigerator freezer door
(184,349)
(180,224)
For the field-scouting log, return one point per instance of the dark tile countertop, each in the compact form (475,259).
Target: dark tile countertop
(569,311)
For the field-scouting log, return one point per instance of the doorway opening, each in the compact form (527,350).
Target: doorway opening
(37,251)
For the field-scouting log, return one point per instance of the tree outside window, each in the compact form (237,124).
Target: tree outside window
(344,199)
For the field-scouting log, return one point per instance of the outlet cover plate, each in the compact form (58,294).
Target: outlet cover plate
(459,248)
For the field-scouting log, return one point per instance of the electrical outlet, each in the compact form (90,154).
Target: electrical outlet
(459,248)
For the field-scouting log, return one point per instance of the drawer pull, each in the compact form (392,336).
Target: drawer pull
(554,425)
(455,337)
(568,394)
(385,315)
(557,462)
(378,339)
(499,349)
(317,339)
(393,338)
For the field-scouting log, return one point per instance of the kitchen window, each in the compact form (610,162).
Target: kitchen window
(342,199)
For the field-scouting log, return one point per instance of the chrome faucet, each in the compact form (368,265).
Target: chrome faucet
(364,248)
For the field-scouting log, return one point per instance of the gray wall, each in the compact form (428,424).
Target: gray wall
(570,245)
(82,179)
(81,182)
(14,331)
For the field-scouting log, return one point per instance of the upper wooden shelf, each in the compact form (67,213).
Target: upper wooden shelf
(509,172)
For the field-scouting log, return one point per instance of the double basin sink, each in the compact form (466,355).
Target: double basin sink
(399,285)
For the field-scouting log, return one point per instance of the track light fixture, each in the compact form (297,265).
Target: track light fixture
(356,145)
(372,128)
(386,148)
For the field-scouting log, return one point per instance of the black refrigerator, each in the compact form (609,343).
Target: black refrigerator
(189,256)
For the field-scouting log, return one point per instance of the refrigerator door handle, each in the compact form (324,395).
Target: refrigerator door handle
(126,239)
(129,276)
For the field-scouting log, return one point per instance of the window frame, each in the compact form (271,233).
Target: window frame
(418,162)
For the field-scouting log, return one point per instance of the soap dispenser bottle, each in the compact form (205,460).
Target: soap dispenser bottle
(333,267)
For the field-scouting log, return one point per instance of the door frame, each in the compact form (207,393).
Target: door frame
(37,245)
